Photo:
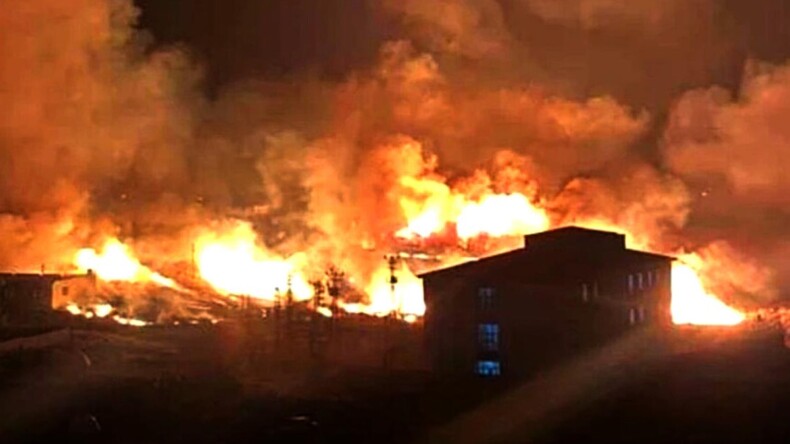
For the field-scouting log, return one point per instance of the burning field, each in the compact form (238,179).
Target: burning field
(341,192)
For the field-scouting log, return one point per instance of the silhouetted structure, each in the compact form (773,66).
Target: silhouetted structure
(27,298)
(567,290)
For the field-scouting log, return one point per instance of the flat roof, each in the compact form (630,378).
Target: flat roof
(527,254)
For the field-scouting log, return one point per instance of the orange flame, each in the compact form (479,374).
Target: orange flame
(692,304)
(492,214)
(499,215)
(233,264)
(405,297)
(117,263)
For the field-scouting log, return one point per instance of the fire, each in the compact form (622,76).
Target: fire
(405,297)
(324,311)
(493,215)
(103,311)
(234,264)
(114,263)
(500,215)
(230,258)
(117,263)
(692,304)
(130,322)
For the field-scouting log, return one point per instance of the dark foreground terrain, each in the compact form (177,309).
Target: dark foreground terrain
(185,385)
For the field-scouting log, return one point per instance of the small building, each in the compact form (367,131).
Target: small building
(28,298)
(566,291)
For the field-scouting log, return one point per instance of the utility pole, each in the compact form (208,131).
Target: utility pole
(392,262)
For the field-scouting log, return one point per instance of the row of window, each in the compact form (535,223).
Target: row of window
(486,296)
(642,280)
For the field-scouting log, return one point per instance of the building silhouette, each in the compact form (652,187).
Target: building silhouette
(568,290)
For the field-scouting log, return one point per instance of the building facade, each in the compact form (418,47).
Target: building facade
(566,291)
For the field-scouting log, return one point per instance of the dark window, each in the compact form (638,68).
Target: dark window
(488,368)
(65,290)
(585,293)
(486,298)
(488,336)
(639,279)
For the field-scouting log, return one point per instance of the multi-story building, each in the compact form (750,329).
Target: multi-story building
(566,291)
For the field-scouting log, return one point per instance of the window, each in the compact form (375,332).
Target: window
(585,293)
(639,279)
(589,292)
(65,290)
(637,315)
(488,336)
(485,298)
(488,368)
(630,283)
(650,278)
(631,316)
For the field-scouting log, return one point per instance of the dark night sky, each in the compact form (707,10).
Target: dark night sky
(238,39)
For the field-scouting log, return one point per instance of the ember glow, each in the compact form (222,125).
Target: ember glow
(103,311)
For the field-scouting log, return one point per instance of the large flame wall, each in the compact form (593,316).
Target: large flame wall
(448,143)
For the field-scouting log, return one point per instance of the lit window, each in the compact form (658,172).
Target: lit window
(585,293)
(488,336)
(488,368)
(485,297)
(631,316)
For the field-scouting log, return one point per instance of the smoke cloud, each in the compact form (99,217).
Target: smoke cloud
(733,148)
